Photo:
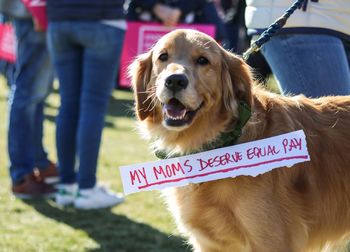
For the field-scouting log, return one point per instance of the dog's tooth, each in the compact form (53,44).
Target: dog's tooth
(177,117)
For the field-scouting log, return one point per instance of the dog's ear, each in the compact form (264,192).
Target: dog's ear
(236,81)
(140,72)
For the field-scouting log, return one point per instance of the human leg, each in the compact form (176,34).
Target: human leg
(67,59)
(101,61)
(313,65)
(84,95)
(32,83)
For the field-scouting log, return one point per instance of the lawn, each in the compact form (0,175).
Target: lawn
(142,223)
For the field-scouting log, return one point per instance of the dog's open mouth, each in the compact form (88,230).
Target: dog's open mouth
(176,114)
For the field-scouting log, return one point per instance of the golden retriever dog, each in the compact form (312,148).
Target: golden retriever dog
(187,94)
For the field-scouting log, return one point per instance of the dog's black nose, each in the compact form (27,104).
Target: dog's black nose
(176,82)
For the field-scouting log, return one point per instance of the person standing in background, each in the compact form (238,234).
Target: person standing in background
(310,55)
(30,168)
(172,12)
(232,13)
(85,40)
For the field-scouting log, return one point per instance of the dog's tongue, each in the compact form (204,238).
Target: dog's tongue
(175,109)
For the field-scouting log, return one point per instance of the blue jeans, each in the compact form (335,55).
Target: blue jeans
(32,82)
(86,58)
(313,65)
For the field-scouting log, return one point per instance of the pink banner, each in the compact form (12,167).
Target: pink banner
(7,43)
(141,36)
(38,10)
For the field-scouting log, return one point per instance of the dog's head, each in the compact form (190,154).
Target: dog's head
(187,81)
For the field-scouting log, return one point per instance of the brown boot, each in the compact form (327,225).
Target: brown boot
(33,187)
(48,174)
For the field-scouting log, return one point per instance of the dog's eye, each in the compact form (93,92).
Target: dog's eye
(163,57)
(202,61)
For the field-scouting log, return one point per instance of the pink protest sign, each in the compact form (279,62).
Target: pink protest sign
(140,37)
(8,43)
(250,159)
(38,9)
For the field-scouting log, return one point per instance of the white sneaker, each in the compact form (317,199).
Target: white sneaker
(97,197)
(66,194)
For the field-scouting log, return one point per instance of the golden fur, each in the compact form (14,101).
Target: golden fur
(303,208)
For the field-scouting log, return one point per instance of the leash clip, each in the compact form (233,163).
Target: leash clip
(252,49)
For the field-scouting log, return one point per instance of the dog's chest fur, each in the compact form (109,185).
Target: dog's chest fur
(211,210)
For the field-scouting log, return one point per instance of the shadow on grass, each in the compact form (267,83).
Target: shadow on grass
(116,108)
(111,231)
(120,107)
(108,123)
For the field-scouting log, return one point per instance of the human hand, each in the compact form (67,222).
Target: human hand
(168,15)
(37,26)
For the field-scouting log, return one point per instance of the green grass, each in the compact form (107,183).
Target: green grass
(142,223)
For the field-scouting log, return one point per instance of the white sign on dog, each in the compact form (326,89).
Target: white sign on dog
(252,158)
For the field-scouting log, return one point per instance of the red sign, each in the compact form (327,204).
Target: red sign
(38,10)
(8,43)
(141,36)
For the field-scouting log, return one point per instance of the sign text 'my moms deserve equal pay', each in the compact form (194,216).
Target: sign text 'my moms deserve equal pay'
(252,158)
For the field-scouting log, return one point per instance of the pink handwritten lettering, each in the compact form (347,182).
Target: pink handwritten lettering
(187,165)
(138,174)
(289,145)
(220,160)
(259,152)
(167,172)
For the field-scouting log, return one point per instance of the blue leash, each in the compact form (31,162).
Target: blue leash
(271,30)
